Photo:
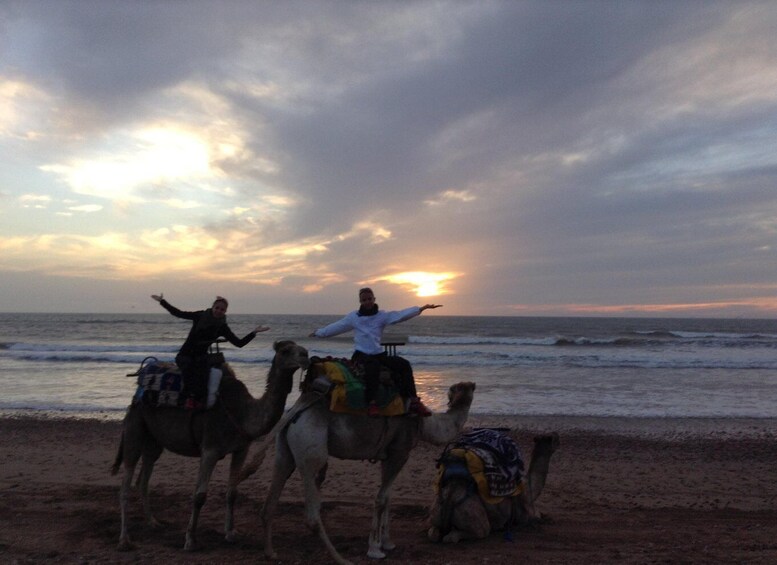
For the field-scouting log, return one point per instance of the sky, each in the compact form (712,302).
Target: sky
(497,157)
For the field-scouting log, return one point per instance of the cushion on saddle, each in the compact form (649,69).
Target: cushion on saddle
(493,459)
(347,395)
(159,384)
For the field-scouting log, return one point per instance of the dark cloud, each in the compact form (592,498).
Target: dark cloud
(559,118)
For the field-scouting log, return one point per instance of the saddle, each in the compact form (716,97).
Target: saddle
(492,459)
(343,381)
(160,384)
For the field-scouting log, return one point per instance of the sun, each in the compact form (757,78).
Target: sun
(423,283)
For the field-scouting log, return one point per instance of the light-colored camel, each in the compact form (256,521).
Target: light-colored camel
(312,433)
(229,427)
(459,512)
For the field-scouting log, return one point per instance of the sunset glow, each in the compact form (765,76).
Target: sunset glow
(423,283)
(393,143)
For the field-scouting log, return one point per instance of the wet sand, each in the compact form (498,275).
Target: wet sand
(619,490)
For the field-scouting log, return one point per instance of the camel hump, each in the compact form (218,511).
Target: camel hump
(343,382)
(160,385)
(493,458)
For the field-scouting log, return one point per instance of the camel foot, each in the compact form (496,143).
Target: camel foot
(125,545)
(232,536)
(375,553)
(545,519)
(388,545)
(433,534)
(191,545)
(312,525)
(452,537)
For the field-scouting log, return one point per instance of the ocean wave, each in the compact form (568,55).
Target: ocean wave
(591,362)
(71,347)
(112,355)
(479,340)
(433,357)
(635,339)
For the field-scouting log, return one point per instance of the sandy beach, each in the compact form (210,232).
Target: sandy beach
(619,491)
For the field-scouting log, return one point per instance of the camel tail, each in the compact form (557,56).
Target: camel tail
(119,457)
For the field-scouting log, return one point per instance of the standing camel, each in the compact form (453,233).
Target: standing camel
(229,427)
(459,512)
(312,433)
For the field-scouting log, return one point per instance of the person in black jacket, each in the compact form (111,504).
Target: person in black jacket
(192,358)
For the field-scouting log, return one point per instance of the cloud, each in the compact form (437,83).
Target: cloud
(451,196)
(86,208)
(584,155)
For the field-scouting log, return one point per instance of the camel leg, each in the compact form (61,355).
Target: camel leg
(469,520)
(380,538)
(282,469)
(126,486)
(131,446)
(235,467)
(150,455)
(310,452)
(435,520)
(310,471)
(208,462)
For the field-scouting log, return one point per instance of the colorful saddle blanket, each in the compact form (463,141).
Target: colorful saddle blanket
(347,395)
(160,384)
(493,459)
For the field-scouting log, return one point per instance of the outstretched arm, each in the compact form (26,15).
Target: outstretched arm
(172,309)
(230,336)
(335,328)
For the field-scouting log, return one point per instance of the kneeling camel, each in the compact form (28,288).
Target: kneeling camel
(459,512)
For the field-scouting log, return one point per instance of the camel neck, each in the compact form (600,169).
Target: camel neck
(263,413)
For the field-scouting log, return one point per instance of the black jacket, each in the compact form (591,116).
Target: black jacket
(205,330)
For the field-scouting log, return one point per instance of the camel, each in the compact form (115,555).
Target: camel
(230,426)
(311,433)
(459,512)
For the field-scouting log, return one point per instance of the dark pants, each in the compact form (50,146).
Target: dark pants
(401,373)
(194,371)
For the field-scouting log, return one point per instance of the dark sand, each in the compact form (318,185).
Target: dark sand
(619,491)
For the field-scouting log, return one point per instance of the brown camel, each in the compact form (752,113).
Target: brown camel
(459,512)
(310,433)
(229,427)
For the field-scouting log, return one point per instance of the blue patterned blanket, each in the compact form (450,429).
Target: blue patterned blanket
(501,456)
(160,384)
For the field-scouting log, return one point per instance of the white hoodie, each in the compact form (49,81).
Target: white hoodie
(368,330)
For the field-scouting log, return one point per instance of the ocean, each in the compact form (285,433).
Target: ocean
(76,364)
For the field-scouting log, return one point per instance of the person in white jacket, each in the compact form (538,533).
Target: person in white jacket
(367,324)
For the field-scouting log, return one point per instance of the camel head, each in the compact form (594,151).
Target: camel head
(288,358)
(439,429)
(546,444)
(461,395)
